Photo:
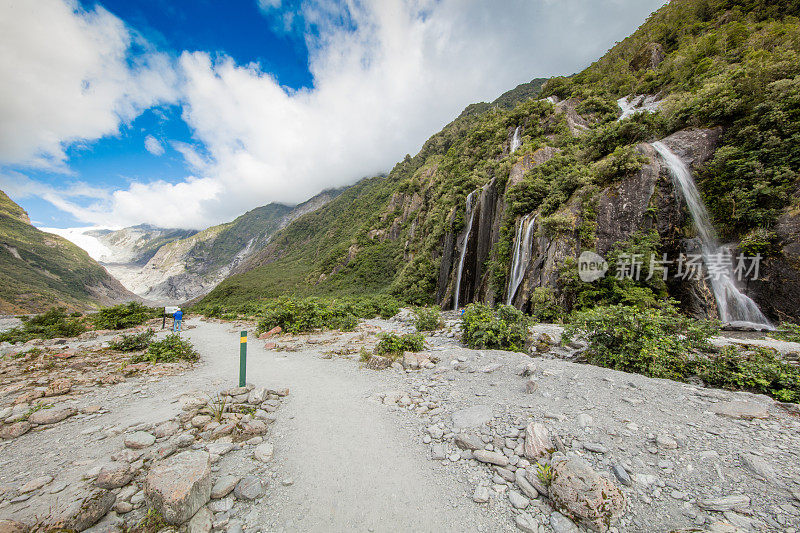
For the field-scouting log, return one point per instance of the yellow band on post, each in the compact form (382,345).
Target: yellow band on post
(243,340)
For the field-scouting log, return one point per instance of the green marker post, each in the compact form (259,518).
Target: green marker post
(242,359)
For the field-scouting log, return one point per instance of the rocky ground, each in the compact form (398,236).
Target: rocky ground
(450,439)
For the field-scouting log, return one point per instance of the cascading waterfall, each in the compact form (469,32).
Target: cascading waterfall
(733,306)
(522,254)
(463,251)
(515,141)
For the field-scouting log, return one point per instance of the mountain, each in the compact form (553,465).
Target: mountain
(39,270)
(165,266)
(524,187)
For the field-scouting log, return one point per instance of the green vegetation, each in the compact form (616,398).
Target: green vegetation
(134,342)
(544,307)
(54,323)
(427,318)
(502,328)
(169,350)
(545,473)
(392,345)
(123,316)
(297,315)
(787,332)
(662,343)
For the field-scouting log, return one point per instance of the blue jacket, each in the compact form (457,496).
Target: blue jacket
(178,315)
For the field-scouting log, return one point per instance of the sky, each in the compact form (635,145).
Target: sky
(187,113)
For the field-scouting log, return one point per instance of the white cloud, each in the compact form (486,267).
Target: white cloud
(153,146)
(68,76)
(395,73)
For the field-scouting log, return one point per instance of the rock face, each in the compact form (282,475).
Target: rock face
(580,493)
(179,486)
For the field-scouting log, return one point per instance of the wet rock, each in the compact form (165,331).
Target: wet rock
(139,439)
(249,488)
(86,512)
(577,491)
(179,486)
(51,416)
(537,441)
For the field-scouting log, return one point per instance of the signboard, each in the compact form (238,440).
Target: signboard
(171,310)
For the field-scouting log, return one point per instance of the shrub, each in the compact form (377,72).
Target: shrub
(649,341)
(394,345)
(172,348)
(544,307)
(787,332)
(757,371)
(428,318)
(134,342)
(296,315)
(503,327)
(48,325)
(759,241)
(123,316)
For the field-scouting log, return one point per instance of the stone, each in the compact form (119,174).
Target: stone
(114,475)
(538,443)
(562,524)
(179,486)
(584,420)
(579,492)
(167,429)
(488,369)
(666,442)
(139,439)
(525,485)
(17,429)
(526,523)
(58,387)
(494,458)
(274,331)
(760,467)
(12,526)
(224,486)
(471,417)
(249,488)
(531,386)
(35,484)
(595,447)
(438,452)
(621,474)
(52,415)
(739,409)
(200,420)
(257,396)
(518,501)
(467,441)
(415,360)
(123,507)
(85,512)
(222,505)
(201,521)
(724,503)
(220,448)
(481,494)
(264,452)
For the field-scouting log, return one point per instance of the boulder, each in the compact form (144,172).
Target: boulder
(538,443)
(114,475)
(58,387)
(86,512)
(249,488)
(12,431)
(580,493)
(51,416)
(139,439)
(179,486)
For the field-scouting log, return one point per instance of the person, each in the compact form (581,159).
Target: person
(177,316)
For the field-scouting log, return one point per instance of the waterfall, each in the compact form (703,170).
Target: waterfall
(515,142)
(733,306)
(640,103)
(463,252)
(522,254)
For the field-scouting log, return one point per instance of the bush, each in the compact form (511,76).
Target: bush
(169,350)
(787,332)
(296,315)
(393,345)
(48,325)
(758,371)
(123,316)
(134,342)
(655,342)
(544,307)
(503,328)
(428,318)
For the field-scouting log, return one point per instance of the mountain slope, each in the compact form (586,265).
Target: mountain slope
(39,270)
(725,78)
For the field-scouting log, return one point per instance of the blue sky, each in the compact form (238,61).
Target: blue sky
(189,113)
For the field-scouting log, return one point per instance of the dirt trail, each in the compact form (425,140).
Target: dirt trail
(355,466)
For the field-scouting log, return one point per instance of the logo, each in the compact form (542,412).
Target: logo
(591,266)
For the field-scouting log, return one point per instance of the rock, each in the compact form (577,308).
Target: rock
(481,494)
(179,486)
(518,501)
(525,485)
(200,420)
(58,387)
(595,447)
(562,524)
(537,441)
(531,386)
(254,428)
(579,492)
(248,488)
(264,452)
(724,503)
(12,431)
(224,486)
(123,507)
(738,409)
(467,441)
(257,396)
(167,429)
(415,360)
(86,512)
(35,484)
(528,370)
(51,416)
(219,448)
(438,452)
(139,439)
(222,505)
(114,475)
(274,331)
(12,526)
(666,442)
(760,467)
(584,420)
(471,417)
(166,450)
(378,362)
(488,369)
(185,440)
(201,521)
(494,458)
(621,474)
